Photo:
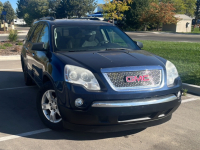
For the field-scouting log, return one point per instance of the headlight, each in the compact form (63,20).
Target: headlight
(81,76)
(172,73)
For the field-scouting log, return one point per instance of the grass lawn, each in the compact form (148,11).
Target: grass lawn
(196,30)
(185,56)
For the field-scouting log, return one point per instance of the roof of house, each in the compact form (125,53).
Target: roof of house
(183,17)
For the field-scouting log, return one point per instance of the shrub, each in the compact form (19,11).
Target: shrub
(2,47)
(184,92)
(17,48)
(13,35)
(7,45)
(19,43)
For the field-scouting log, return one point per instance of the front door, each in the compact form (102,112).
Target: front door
(41,59)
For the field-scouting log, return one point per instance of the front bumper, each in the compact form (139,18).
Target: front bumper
(112,116)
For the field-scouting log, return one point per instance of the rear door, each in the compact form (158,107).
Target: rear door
(31,53)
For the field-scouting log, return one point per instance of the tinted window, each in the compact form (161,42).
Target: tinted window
(31,31)
(36,33)
(91,38)
(44,36)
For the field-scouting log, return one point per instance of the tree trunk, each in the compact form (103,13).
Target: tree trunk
(145,27)
(157,27)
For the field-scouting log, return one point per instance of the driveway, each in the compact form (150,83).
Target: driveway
(21,128)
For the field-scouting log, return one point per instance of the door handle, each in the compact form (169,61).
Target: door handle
(33,54)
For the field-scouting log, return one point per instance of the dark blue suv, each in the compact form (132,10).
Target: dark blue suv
(93,77)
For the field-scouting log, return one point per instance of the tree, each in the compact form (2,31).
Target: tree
(1,7)
(69,8)
(10,11)
(61,10)
(81,7)
(114,9)
(161,13)
(32,9)
(197,11)
(22,4)
(53,5)
(182,6)
(133,15)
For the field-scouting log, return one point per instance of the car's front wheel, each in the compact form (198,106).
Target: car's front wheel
(47,107)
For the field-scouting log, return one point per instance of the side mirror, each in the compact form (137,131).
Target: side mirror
(140,44)
(38,47)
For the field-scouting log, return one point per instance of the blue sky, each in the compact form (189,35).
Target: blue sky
(14,2)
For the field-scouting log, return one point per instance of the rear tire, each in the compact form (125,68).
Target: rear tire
(47,107)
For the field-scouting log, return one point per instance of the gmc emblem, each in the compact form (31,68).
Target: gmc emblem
(137,78)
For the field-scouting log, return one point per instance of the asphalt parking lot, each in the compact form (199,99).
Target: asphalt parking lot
(21,128)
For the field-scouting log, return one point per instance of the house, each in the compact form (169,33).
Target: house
(183,25)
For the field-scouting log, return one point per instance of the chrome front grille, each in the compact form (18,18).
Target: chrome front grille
(117,78)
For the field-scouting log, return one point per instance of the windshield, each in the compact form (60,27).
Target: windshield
(91,38)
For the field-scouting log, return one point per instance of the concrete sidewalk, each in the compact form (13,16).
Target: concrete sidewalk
(10,58)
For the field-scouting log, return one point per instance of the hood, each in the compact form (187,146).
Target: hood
(95,61)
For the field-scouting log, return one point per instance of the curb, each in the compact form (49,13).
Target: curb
(6,58)
(193,89)
(17,34)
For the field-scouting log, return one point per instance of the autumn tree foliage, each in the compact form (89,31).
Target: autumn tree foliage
(115,9)
(159,13)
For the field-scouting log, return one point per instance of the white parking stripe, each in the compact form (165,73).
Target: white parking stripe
(23,134)
(10,69)
(190,100)
(17,88)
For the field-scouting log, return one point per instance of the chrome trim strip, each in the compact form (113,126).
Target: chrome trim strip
(136,102)
(131,68)
(135,68)
(134,120)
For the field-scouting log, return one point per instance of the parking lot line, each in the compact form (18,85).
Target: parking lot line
(10,137)
(17,88)
(189,100)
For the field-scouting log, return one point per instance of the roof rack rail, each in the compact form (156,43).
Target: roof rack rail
(47,18)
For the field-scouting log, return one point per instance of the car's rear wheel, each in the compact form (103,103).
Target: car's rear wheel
(47,107)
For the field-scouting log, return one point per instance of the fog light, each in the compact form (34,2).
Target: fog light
(78,102)
(179,95)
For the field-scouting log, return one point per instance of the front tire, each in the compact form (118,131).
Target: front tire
(47,107)
(27,78)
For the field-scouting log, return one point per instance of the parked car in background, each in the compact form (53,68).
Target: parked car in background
(91,18)
(93,77)
(19,21)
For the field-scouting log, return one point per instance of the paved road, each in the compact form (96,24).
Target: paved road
(164,37)
(140,36)
(21,128)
